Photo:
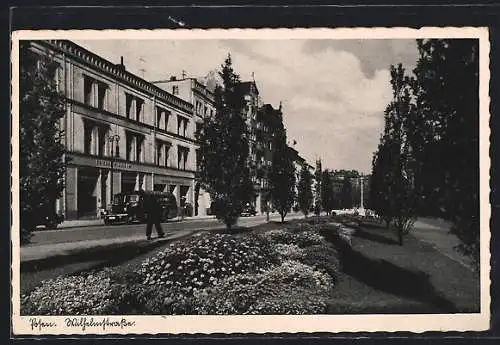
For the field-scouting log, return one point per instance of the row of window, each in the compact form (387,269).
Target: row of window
(96,142)
(203,110)
(96,95)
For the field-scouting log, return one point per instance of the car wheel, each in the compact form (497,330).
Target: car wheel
(51,225)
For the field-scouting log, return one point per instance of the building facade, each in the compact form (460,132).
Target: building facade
(122,133)
(202,100)
(255,147)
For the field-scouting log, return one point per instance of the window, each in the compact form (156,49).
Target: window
(182,155)
(167,149)
(102,142)
(179,157)
(182,124)
(132,147)
(128,105)
(95,138)
(94,93)
(133,107)
(159,153)
(87,138)
(167,117)
(162,116)
(88,85)
(139,157)
(159,117)
(175,90)
(101,95)
(139,103)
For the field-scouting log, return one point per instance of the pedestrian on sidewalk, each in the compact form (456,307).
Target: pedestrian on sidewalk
(154,210)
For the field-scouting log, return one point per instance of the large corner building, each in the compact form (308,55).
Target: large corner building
(123,133)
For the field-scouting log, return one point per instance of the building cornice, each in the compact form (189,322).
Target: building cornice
(82,55)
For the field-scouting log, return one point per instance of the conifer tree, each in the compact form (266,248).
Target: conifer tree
(327,200)
(282,174)
(305,194)
(223,169)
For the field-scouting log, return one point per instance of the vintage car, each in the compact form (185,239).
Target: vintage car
(132,207)
(248,210)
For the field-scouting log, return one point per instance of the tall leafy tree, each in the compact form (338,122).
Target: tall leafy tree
(223,169)
(393,161)
(327,198)
(346,193)
(41,148)
(282,174)
(447,87)
(317,190)
(305,194)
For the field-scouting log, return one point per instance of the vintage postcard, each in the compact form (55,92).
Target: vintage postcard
(250,181)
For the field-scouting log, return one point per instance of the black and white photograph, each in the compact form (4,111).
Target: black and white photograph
(184,181)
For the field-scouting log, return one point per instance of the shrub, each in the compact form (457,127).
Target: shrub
(289,251)
(301,239)
(323,257)
(337,234)
(200,262)
(299,227)
(290,288)
(315,220)
(84,294)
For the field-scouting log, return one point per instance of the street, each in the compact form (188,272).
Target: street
(101,232)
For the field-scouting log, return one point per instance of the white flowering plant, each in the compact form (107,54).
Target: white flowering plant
(301,239)
(83,294)
(194,264)
(288,288)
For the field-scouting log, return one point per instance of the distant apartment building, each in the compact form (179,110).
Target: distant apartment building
(122,133)
(255,147)
(202,100)
(298,162)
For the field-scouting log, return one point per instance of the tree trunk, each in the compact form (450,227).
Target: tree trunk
(387,223)
(282,217)
(400,236)
(267,215)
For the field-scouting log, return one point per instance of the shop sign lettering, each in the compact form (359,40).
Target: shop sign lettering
(103,163)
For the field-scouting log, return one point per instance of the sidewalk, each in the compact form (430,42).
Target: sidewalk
(436,233)
(41,252)
(46,251)
(97,222)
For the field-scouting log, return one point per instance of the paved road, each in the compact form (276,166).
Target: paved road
(437,233)
(89,233)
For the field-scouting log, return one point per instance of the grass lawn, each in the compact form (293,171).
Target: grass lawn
(379,276)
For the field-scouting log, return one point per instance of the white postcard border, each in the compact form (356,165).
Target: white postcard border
(24,325)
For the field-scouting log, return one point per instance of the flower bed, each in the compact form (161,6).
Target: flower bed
(290,288)
(84,294)
(302,239)
(202,262)
(282,271)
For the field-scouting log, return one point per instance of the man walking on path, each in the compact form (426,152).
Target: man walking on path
(154,217)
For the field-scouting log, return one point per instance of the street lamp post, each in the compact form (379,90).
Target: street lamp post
(112,139)
(362,196)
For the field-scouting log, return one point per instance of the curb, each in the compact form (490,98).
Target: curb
(101,223)
(103,252)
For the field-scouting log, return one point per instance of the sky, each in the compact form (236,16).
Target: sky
(333,92)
